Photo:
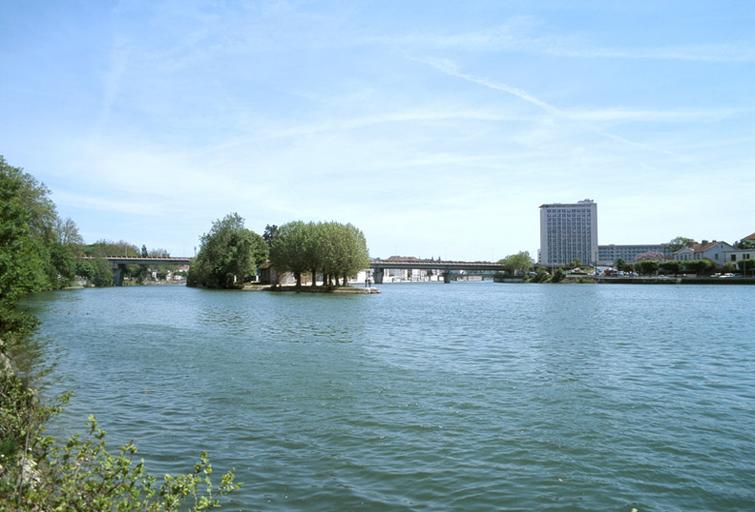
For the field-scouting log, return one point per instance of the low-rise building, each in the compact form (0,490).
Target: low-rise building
(714,251)
(737,255)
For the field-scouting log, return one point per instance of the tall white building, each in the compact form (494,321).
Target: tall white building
(569,231)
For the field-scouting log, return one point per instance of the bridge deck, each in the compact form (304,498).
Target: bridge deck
(435,265)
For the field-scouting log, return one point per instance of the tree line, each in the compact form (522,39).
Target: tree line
(38,249)
(230,254)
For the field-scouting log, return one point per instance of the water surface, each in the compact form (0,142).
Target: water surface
(468,396)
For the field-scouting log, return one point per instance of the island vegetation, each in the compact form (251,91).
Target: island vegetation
(336,251)
(38,251)
(228,256)
(231,255)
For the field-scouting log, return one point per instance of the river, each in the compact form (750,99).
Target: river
(467,396)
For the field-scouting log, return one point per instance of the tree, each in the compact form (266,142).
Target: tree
(27,235)
(109,248)
(746,243)
(670,267)
(271,231)
(746,266)
(652,256)
(97,271)
(287,252)
(679,243)
(647,267)
(516,263)
(228,254)
(336,250)
(158,253)
(700,267)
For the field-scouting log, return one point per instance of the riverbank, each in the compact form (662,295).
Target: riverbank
(674,280)
(580,279)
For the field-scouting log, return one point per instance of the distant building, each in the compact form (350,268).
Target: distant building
(569,231)
(714,251)
(609,254)
(737,255)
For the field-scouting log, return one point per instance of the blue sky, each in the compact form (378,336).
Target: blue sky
(436,127)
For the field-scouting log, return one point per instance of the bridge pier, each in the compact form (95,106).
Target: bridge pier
(446,276)
(118,271)
(378,275)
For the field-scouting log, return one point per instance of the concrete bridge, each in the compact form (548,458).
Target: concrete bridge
(444,268)
(119,263)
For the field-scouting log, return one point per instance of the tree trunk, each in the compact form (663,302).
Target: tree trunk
(314,277)
(337,283)
(345,280)
(297,275)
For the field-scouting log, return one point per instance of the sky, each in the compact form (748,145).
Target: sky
(438,128)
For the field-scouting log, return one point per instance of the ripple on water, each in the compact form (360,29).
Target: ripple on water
(467,396)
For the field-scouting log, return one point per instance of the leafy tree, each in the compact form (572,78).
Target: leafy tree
(729,267)
(542,276)
(575,263)
(36,248)
(336,250)
(679,242)
(647,267)
(109,248)
(670,267)
(145,253)
(517,263)
(700,267)
(558,275)
(745,243)
(746,267)
(288,250)
(228,254)
(158,253)
(271,231)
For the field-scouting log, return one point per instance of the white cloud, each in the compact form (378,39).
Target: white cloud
(519,35)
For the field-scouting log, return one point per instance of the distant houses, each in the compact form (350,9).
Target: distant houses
(714,251)
(719,252)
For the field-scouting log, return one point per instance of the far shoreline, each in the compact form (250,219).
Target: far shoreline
(340,290)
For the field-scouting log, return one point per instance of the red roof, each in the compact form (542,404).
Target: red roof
(751,237)
(706,246)
(703,247)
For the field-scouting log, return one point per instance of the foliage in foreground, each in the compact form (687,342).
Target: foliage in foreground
(37,474)
(83,475)
(38,252)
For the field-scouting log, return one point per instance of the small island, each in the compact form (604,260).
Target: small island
(324,254)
